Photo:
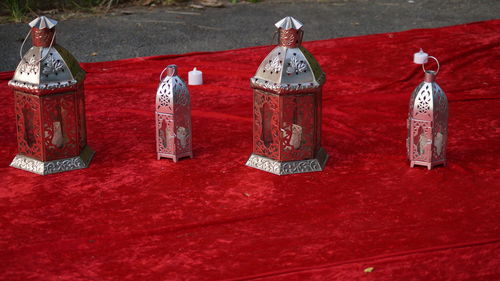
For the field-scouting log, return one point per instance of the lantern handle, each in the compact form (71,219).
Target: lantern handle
(274,36)
(43,57)
(423,65)
(161,75)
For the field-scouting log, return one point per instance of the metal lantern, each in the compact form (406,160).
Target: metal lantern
(287,107)
(49,105)
(173,117)
(427,120)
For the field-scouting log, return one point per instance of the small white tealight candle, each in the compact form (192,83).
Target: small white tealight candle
(420,57)
(195,77)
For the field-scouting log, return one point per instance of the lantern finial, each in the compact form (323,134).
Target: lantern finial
(430,76)
(43,22)
(42,31)
(172,70)
(289,23)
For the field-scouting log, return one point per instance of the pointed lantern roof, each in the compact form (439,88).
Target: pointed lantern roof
(289,68)
(46,69)
(428,100)
(43,22)
(172,92)
(289,23)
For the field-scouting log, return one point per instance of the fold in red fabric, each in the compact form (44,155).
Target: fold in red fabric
(368,216)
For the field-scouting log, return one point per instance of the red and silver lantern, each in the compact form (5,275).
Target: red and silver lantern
(427,120)
(287,107)
(173,117)
(49,106)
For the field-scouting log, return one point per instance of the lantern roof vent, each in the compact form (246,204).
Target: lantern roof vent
(43,22)
(289,23)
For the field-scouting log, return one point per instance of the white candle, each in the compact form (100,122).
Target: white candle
(195,77)
(420,57)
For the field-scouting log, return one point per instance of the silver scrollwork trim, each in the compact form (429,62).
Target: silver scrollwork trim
(44,86)
(28,164)
(264,164)
(274,65)
(52,65)
(291,167)
(286,88)
(56,166)
(296,66)
(29,66)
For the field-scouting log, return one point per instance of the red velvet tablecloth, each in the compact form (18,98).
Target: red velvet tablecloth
(131,217)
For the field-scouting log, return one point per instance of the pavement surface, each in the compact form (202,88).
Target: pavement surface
(140,31)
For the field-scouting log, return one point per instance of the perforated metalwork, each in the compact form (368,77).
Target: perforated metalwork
(427,126)
(50,111)
(58,70)
(266,138)
(173,118)
(288,167)
(60,126)
(36,166)
(28,123)
(287,108)
(52,65)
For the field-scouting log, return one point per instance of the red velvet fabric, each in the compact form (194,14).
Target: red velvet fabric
(131,217)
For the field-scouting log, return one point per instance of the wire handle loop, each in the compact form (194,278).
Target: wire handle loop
(170,66)
(161,75)
(22,45)
(44,56)
(274,36)
(423,65)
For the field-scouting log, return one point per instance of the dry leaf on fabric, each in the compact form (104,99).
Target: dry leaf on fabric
(368,269)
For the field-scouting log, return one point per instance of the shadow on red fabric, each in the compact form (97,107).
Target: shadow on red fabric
(368,216)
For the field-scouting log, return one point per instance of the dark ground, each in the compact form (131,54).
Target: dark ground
(158,31)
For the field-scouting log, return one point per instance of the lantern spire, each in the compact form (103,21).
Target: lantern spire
(289,23)
(43,22)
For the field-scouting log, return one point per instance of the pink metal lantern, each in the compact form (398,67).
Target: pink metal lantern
(287,107)
(49,106)
(427,120)
(173,117)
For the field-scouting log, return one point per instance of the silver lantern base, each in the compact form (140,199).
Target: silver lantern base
(429,165)
(56,166)
(290,167)
(174,157)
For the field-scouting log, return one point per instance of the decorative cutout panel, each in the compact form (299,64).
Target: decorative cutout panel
(164,135)
(298,128)
(266,137)
(29,136)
